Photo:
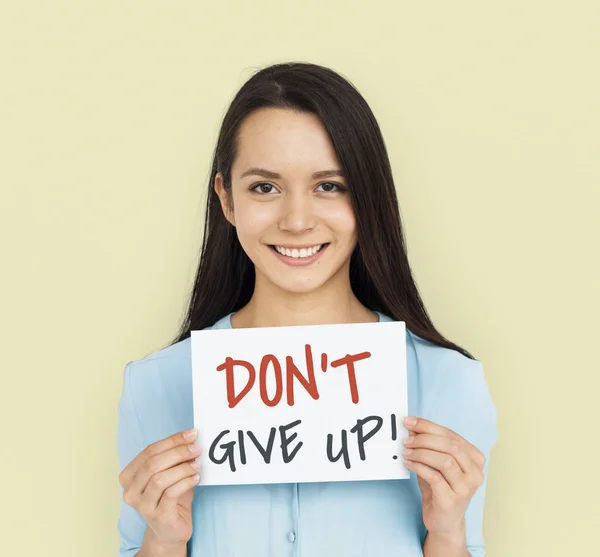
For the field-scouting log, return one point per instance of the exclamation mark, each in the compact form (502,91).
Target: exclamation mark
(394,433)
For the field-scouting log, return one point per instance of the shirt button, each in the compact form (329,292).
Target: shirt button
(292,537)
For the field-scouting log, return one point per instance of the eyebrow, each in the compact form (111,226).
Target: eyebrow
(274,176)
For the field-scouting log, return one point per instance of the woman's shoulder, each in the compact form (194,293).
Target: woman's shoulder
(163,378)
(158,388)
(452,390)
(448,387)
(171,358)
(168,358)
(432,359)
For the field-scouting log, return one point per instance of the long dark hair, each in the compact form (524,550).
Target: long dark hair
(380,274)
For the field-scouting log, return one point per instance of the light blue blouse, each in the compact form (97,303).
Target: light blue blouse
(350,519)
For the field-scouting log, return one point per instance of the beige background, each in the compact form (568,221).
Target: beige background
(108,117)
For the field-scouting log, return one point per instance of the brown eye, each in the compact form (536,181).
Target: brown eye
(331,187)
(263,188)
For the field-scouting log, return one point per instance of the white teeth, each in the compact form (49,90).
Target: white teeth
(299,253)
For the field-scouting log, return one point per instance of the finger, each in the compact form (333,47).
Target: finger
(425,426)
(170,497)
(160,482)
(157,463)
(130,471)
(444,463)
(461,450)
(436,481)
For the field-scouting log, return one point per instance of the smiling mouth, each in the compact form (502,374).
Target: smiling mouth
(299,253)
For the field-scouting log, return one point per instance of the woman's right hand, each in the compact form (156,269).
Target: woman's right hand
(159,483)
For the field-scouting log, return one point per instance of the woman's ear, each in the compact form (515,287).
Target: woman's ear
(225,198)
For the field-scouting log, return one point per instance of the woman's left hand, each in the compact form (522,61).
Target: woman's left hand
(449,471)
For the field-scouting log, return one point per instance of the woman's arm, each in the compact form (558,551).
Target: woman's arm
(450,456)
(438,545)
(152,548)
(130,524)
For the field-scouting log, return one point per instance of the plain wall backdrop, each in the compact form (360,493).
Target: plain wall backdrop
(109,114)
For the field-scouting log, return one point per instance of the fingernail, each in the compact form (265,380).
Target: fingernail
(408,440)
(190,433)
(410,421)
(406,452)
(195,465)
(194,449)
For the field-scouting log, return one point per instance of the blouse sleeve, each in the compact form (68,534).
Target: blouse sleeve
(130,524)
(463,404)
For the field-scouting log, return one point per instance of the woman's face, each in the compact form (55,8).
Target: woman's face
(297,227)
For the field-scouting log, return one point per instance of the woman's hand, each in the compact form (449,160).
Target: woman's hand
(159,484)
(449,471)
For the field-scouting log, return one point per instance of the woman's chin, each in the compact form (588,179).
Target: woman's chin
(301,280)
(298,284)
(298,287)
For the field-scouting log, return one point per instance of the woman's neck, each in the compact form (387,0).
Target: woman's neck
(272,307)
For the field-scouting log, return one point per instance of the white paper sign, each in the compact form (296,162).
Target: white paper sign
(300,404)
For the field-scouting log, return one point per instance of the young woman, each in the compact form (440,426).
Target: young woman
(303,227)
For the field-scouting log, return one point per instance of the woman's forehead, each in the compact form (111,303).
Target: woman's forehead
(284,142)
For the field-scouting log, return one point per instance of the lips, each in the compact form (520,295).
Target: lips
(299,256)
(298,252)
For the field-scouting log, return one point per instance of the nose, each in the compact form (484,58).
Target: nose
(297,214)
